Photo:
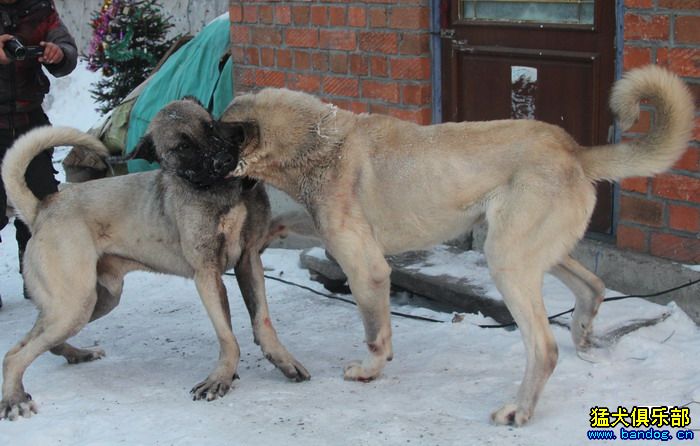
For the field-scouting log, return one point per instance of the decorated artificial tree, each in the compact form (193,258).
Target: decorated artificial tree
(129,38)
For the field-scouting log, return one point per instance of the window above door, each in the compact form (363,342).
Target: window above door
(559,12)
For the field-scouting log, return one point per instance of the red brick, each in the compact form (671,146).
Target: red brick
(684,218)
(250,14)
(269,78)
(376,42)
(338,40)
(680,4)
(683,61)
(240,34)
(300,15)
(636,57)
(385,91)
(696,130)
(416,94)
(358,65)
(303,37)
(687,29)
(419,116)
(643,124)
(266,14)
(235,13)
(283,14)
(641,210)
(341,86)
(338,63)
(379,66)
(266,37)
(319,15)
(409,18)
(672,247)
(690,160)
(353,106)
(632,238)
(695,90)
(267,57)
(377,17)
(244,76)
(410,68)
(238,55)
(638,4)
(284,58)
(319,61)
(635,184)
(336,15)
(677,187)
(310,83)
(646,27)
(357,16)
(252,55)
(414,44)
(302,60)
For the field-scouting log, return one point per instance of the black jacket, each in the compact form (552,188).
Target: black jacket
(22,83)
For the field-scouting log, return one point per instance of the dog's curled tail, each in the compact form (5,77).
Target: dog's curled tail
(23,151)
(666,141)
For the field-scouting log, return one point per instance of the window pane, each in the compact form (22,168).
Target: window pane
(579,12)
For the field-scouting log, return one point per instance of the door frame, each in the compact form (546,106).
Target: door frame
(437,22)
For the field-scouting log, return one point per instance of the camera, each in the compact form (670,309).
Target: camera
(16,51)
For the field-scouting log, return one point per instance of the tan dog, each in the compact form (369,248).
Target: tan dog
(376,185)
(186,220)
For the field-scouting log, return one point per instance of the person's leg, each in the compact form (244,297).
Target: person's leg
(5,142)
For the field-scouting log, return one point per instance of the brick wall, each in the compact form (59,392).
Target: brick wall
(661,216)
(364,56)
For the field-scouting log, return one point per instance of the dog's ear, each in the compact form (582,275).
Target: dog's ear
(239,133)
(145,149)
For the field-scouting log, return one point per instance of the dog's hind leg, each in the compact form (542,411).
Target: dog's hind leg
(368,275)
(249,274)
(213,294)
(110,281)
(589,291)
(53,326)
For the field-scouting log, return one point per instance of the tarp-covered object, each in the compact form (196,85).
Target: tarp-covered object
(193,70)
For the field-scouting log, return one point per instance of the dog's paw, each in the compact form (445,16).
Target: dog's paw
(85,355)
(510,415)
(19,407)
(357,371)
(290,367)
(212,388)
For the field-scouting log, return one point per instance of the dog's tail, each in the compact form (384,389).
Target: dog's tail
(666,141)
(23,151)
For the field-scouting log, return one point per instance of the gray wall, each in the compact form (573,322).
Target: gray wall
(188,16)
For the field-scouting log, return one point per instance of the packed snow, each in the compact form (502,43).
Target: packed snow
(443,383)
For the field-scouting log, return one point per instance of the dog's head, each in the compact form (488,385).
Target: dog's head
(281,128)
(188,142)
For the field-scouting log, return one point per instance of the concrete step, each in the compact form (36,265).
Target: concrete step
(435,275)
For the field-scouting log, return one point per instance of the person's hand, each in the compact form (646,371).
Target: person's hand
(53,53)
(4,60)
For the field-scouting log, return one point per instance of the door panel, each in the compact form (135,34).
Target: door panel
(532,60)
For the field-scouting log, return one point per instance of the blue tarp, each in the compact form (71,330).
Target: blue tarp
(193,70)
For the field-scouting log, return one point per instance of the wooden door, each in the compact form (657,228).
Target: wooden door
(552,60)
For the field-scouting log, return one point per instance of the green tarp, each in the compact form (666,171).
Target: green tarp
(193,70)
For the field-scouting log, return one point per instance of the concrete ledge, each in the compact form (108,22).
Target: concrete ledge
(458,293)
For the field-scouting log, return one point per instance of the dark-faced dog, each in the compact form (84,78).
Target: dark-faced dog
(185,219)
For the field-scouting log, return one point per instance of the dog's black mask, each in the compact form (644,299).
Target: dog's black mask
(206,168)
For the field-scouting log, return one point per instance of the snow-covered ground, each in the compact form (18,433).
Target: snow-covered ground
(444,381)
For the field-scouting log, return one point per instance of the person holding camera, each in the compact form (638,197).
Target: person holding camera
(32,36)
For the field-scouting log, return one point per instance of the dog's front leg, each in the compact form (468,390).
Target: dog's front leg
(213,294)
(369,277)
(249,273)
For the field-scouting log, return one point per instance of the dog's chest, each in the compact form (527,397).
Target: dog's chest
(231,226)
